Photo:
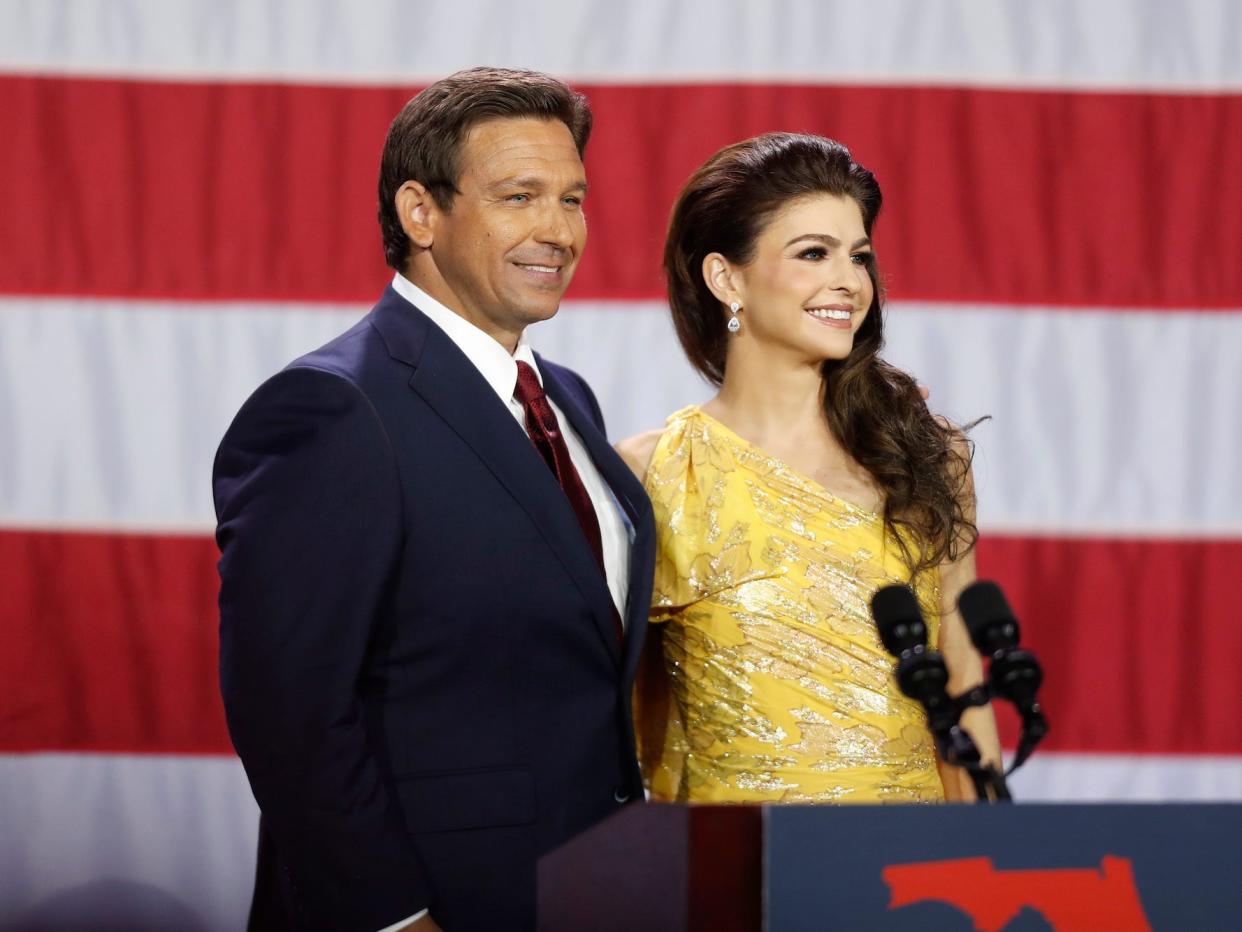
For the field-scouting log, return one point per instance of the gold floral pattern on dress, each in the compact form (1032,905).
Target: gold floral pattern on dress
(781,688)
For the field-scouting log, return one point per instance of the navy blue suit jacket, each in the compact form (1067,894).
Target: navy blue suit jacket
(417,652)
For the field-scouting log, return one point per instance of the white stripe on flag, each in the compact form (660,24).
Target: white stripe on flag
(153,841)
(1128,778)
(1106,423)
(1110,44)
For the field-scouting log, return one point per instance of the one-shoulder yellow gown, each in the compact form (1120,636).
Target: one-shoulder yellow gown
(780,688)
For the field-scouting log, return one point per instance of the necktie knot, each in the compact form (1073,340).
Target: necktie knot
(531,396)
(528,390)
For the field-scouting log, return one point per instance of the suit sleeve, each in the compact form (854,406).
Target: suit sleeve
(309,509)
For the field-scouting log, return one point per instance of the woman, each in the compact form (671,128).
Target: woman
(815,476)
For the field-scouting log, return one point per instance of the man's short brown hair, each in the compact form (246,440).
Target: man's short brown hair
(424,141)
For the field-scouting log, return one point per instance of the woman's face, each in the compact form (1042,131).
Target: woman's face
(806,291)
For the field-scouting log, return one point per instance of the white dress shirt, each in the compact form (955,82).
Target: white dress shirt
(499,369)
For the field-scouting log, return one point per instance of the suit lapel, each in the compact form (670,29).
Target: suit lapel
(450,384)
(629,492)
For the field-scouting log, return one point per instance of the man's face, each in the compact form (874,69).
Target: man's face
(508,247)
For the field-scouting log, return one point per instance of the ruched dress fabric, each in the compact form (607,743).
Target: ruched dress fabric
(775,685)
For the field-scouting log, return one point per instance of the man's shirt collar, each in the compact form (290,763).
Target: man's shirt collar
(492,360)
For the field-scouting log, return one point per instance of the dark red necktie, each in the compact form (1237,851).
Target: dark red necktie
(545,434)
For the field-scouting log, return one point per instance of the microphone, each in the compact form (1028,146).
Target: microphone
(899,619)
(1014,674)
(921,673)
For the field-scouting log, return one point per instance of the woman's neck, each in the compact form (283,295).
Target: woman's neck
(762,399)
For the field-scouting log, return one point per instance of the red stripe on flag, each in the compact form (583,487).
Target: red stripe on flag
(1138,639)
(110,641)
(247,191)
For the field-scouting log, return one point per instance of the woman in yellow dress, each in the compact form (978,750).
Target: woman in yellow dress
(815,476)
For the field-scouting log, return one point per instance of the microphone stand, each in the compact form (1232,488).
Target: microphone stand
(1013,675)
(990,785)
(966,755)
(921,675)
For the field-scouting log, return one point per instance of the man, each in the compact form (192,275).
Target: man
(435,571)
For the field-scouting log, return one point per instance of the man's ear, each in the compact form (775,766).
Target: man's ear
(417,212)
(721,279)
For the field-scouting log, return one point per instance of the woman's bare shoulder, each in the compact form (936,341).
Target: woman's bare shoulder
(961,468)
(638,450)
(958,441)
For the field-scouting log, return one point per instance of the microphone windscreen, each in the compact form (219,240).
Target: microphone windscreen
(989,619)
(898,618)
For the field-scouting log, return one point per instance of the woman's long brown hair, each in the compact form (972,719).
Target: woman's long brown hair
(875,410)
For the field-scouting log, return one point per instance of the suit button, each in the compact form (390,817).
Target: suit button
(620,795)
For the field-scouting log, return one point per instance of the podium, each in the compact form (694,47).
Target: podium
(791,868)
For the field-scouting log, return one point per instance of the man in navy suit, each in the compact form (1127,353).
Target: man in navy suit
(435,572)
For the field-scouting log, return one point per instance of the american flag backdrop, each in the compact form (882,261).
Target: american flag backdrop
(187,202)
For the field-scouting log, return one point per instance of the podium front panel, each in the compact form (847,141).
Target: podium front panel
(1019,867)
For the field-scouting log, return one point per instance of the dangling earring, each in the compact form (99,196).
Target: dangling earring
(734,324)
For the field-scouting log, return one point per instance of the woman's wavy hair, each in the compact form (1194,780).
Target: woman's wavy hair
(920,462)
